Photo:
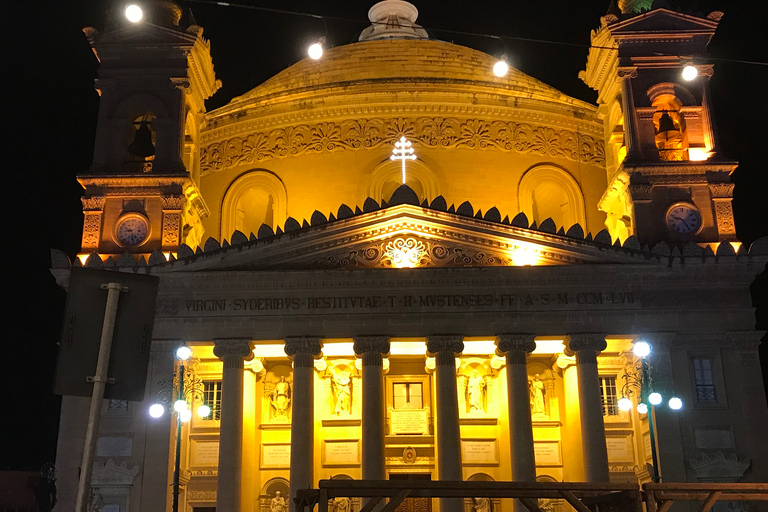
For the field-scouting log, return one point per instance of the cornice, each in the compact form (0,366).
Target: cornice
(248,120)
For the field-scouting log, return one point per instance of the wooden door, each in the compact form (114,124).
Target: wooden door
(413,504)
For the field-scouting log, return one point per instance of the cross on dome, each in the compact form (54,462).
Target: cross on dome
(403,151)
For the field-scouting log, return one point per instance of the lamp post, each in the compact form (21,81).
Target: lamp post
(174,399)
(644,381)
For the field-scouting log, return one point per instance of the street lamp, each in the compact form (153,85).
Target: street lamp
(644,381)
(175,398)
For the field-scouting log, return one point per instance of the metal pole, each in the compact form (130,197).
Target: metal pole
(100,380)
(651,420)
(177,463)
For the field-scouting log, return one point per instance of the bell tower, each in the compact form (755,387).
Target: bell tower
(142,191)
(667,179)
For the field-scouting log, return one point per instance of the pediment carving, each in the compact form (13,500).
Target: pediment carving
(408,252)
(112,474)
(663,19)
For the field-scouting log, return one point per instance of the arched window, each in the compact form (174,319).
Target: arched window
(255,198)
(550,192)
(671,137)
(140,144)
(388,176)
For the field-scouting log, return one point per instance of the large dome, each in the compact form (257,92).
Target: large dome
(321,132)
(374,70)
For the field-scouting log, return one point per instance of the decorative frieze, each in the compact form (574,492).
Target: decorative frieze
(425,132)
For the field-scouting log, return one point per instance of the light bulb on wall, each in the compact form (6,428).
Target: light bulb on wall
(690,72)
(654,398)
(501,67)
(179,405)
(315,50)
(156,410)
(642,408)
(134,13)
(203,411)
(185,415)
(641,348)
(183,353)
(625,404)
(675,403)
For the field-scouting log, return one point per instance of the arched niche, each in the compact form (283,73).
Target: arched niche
(481,504)
(255,198)
(122,129)
(617,146)
(547,191)
(671,134)
(388,176)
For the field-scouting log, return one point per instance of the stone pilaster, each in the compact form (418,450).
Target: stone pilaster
(586,347)
(232,352)
(371,349)
(303,351)
(93,214)
(445,349)
(631,129)
(171,235)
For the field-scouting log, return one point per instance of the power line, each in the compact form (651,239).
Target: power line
(455,32)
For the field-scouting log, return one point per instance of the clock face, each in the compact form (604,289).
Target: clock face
(132,230)
(683,218)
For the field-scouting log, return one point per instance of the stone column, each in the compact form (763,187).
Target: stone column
(232,353)
(303,351)
(516,347)
(371,349)
(708,125)
(586,348)
(444,349)
(631,129)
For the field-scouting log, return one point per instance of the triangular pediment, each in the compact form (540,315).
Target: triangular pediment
(146,34)
(663,20)
(407,235)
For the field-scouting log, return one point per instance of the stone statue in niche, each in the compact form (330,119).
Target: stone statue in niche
(536,389)
(341,504)
(278,503)
(481,505)
(476,392)
(280,399)
(342,393)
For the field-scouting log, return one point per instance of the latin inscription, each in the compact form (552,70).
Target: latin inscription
(412,302)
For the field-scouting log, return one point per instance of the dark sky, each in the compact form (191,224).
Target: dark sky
(49,109)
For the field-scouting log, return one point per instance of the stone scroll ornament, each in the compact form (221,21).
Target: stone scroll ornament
(425,132)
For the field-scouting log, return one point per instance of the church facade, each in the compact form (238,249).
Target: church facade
(467,315)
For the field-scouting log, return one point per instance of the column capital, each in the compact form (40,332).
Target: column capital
(586,341)
(515,342)
(364,344)
(310,345)
(452,343)
(224,347)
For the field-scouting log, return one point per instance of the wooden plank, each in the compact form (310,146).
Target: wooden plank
(650,501)
(700,496)
(666,505)
(709,501)
(322,501)
(531,504)
(752,487)
(372,502)
(395,501)
(574,501)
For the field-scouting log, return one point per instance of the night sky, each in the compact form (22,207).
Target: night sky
(49,111)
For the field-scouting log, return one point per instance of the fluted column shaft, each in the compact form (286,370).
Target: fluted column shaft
(371,349)
(303,352)
(516,348)
(232,353)
(631,129)
(445,349)
(586,347)
(711,137)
